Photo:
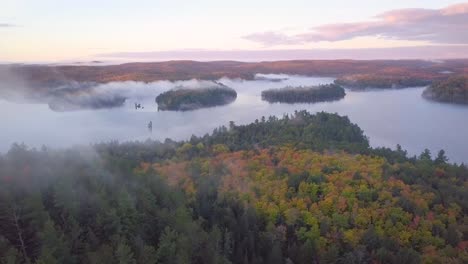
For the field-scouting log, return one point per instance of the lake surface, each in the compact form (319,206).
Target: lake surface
(388,117)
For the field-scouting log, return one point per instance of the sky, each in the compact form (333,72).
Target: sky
(66,30)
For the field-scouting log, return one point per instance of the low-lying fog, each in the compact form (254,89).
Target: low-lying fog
(387,117)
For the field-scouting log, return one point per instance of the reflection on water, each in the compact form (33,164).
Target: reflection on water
(388,117)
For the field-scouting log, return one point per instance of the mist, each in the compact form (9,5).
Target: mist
(416,124)
(12,86)
(74,96)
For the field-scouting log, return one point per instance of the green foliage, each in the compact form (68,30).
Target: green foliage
(185,99)
(302,129)
(451,90)
(304,94)
(123,253)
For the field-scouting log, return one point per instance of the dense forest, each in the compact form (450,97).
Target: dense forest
(298,189)
(452,90)
(41,77)
(304,94)
(381,81)
(185,99)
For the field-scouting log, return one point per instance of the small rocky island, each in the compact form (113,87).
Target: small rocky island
(452,90)
(304,94)
(187,99)
(371,81)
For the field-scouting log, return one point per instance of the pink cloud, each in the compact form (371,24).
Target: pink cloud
(271,38)
(456,9)
(439,26)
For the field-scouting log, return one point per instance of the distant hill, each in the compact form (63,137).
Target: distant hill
(452,90)
(46,76)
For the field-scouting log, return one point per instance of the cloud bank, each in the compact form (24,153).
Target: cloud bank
(448,25)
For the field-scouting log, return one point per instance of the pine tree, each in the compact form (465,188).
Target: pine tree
(16,224)
(441,158)
(276,255)
(148,255)
(167,249)
(53,248)
(123,253)
(8,253)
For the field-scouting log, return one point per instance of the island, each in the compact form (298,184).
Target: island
(269,79)
(187,99)
(380,81)
(304,94)
(81,96)
(452,90)
(65,104)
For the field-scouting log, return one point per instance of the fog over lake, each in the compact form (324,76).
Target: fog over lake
(388,117)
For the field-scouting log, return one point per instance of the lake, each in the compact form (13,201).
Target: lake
(388,117)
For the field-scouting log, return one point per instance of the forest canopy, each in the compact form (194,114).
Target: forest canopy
(186,99)
(452,90)
(304,188)
(304,94)
(382,81)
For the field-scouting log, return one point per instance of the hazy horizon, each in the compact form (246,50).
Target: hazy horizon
(252,56)
(242,31)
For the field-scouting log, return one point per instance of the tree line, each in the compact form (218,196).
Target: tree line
(185,99)
(304,94)
(451,90)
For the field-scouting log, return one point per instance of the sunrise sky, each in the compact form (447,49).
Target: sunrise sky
(54,31)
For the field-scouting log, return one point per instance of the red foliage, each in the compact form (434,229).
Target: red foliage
(44,76)
(463,245)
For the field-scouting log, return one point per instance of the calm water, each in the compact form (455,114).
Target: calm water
(387,117)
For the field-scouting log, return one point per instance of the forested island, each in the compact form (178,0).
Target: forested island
(380,81)
(80,96)
(74,103)
(452,90)
(304,188)
(186,99)
(270,79)
(304,94)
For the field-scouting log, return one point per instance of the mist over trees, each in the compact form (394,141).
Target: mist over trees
(381,81)
(65,95)
(298,189)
